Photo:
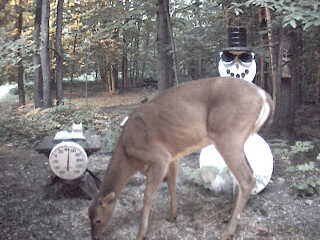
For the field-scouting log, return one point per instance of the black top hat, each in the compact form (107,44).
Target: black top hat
(237,39)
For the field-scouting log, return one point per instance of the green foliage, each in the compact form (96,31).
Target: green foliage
(308,187)
(105,32)
(304,12)
(111,137)
(302,146)
(305,167)
(309,183)
(13,52)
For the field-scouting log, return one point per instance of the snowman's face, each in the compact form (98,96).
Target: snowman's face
(238,64)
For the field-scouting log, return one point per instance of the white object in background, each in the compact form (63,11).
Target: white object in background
(77,131)
(258,154)
(62,135)
(5,93)
(124,121)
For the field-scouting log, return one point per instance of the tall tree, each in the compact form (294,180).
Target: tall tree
(59,52)
(38,83)
(272,52)
(44,53)
(20,68)
(3,4)
(164,47)
(288,76)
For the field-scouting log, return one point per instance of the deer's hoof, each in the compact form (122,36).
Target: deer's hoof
(226,236)
(172,219)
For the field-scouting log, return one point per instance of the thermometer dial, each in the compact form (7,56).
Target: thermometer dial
(68,160)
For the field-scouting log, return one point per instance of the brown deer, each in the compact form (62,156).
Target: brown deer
(219,111)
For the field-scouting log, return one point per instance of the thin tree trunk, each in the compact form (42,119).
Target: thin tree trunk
(59,52)
(136,56)
(125,69)
(298,69)
(3,4)
(38,84)
(125,80)
(262,79)
(164,47)
(317,100)
(73,63)
(173,47)
(20,68)
(114,78)
(3,17)
(272,55)
(146,46)
(102,70)
(317,76)
(109,82)
(44,53)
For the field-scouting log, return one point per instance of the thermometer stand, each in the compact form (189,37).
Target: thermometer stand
(88,183)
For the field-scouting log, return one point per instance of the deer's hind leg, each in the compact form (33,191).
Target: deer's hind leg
(156,172)
(231,149)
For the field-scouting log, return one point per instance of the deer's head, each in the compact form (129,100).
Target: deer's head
(100,212)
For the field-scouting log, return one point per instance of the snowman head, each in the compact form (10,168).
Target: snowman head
(237,64)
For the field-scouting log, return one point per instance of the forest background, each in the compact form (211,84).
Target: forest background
(45,45)
(94,61)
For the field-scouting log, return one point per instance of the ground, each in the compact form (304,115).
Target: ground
(30,209)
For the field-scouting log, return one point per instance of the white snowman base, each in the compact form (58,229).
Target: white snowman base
(215,172)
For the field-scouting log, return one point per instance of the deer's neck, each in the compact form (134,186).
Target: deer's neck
(117,174)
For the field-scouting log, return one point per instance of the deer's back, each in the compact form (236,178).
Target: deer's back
(178,119)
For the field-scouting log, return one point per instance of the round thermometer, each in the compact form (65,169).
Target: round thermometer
(68,160)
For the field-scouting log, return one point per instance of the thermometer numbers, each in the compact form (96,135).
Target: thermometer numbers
(68,160)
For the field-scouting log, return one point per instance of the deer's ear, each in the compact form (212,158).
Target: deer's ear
(108,199)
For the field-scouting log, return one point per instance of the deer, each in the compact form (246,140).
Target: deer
(221,111)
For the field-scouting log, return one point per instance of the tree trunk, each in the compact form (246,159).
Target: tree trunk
(3,17)
(102,70)
(59,53)
(113,69)
(286,85)
(271,54)
(317,77)
(144,60)
(124,65)
(298,70)
(20,68)
(38,84)
(125,80)
(3,4)
(73,62)
(164,46)
(114,78)
(44,53)
(173,47)
(136,57)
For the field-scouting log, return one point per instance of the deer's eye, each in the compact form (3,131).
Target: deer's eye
(97,221)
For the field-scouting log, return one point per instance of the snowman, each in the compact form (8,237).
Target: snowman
(237,61)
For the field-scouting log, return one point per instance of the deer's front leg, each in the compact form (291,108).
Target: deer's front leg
(155,176)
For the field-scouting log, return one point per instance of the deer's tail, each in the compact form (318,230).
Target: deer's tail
(266,112)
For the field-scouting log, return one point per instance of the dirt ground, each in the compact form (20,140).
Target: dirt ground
(30,209)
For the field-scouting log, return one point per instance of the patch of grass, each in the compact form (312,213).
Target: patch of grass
(306,181)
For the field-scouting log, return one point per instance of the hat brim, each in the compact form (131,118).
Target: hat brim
(240,49)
